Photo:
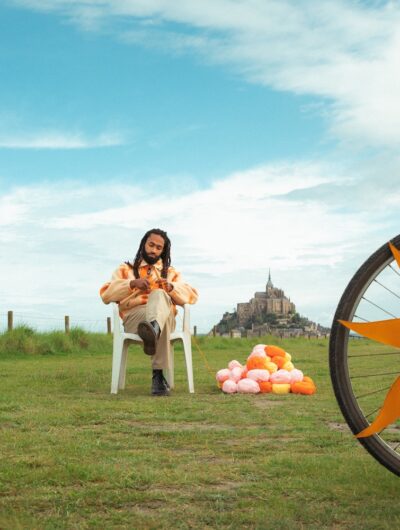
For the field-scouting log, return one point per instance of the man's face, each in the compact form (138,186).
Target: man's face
(153,248)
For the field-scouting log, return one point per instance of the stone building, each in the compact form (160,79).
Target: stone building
(272,300)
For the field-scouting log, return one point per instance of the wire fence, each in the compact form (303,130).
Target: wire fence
(45,322)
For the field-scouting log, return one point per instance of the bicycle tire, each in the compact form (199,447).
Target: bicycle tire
(338,359)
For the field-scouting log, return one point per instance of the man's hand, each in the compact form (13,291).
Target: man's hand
(163,284)
(142,284)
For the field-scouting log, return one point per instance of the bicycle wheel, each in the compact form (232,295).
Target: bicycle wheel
(362,371)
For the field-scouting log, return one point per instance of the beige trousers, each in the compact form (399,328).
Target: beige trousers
(159,307)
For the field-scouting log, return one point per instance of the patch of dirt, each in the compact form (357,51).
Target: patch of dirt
(228,485)
(393,430)
(266,403)
(342,427)
(9,425)
(187,426)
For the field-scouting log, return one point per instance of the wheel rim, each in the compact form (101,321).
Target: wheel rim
(361,371)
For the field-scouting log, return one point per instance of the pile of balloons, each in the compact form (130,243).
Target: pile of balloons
(267,369)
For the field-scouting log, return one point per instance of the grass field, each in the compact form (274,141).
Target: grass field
(73,456)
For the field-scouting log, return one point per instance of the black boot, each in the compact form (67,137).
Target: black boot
(159,386)
(149,332)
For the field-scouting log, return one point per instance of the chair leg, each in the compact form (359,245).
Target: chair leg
(122,372)
(187,347)
(116,366)
(170,371)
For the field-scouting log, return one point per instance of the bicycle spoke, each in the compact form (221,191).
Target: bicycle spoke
(361,318)
(387,288)
(394,270)
(373,354)
(374,392)
(381,308)
(373,375)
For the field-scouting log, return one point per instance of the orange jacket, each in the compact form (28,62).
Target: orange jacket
(118,289)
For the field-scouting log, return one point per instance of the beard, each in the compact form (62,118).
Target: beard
(149,259)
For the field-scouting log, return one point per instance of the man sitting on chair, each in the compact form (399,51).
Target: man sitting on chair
(147,292)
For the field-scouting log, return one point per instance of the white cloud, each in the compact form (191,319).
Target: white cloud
(346,53)
(62,241)
(58,140)
(249,211)
(10,212)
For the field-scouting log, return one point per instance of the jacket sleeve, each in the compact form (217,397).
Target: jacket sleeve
(118,288)
(182,293)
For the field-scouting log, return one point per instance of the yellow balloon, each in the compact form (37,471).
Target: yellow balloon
(288,366)
(271,367)
(280,388)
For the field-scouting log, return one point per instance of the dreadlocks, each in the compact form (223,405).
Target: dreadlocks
(165,255)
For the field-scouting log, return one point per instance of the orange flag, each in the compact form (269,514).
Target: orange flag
(388,414)
(386,332)
(396,253)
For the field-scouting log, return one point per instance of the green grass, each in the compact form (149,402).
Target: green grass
(73,456)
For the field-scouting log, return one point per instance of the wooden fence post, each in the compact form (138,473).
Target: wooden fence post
(231,334)
(108,325)
(194,331)
(214,331)
(10,320)
(66,321)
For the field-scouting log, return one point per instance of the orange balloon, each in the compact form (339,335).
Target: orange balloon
(279,361)
(272,351)
(265,386)
(257,362)
(303,387)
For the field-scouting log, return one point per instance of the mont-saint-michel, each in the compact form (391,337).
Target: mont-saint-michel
(269,311)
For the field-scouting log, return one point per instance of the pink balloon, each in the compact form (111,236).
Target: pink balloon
(223,375)
(257,354)
(233,364)
(280,376)
(236,373)
(248,386)
(259,349)
(258,374)
(229,387)
(296,376)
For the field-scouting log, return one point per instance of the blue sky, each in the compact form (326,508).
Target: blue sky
(259,134)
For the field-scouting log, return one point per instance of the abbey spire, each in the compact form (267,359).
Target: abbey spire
(269,283)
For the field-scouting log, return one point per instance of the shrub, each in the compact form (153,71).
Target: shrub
(79,338)
(19,340)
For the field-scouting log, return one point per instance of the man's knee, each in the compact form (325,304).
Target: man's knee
(160,295)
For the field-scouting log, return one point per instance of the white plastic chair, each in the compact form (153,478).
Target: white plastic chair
(122,341)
